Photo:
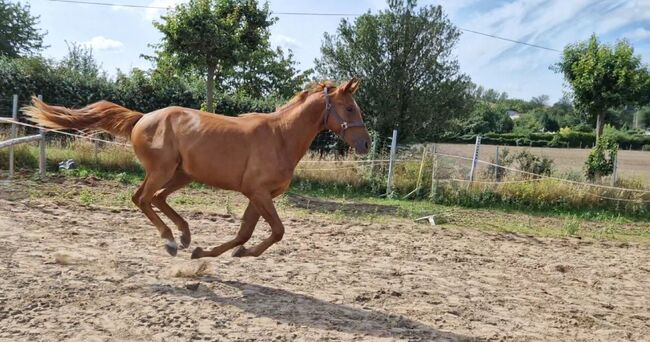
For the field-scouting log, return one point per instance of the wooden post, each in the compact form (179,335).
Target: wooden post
(391,163)
(474,158)
(41,156)
(14,134)
(373,152)
(496,166)
(614,171)
(418,182)
(434,166)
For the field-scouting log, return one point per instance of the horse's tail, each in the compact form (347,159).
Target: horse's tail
(102,115)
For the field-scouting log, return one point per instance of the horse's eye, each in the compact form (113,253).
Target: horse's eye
(350,109)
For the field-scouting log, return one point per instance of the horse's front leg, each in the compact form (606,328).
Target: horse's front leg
(264,205)
(251,216)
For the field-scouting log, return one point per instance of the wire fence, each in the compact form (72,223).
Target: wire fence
(425,170)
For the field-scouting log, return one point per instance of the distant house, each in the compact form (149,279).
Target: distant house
(513,114)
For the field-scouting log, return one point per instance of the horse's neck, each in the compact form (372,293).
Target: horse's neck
(300,126)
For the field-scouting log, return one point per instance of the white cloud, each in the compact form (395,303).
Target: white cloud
(102,43)
(155,13)
(550,23)
(639,34)
(285,42)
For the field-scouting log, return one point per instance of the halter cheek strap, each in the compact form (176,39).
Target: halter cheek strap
(330,110)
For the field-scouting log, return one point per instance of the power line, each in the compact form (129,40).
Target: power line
(303,14)
(167,8)
(510,40)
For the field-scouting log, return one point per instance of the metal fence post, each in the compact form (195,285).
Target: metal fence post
(14,134)
(41,144)
(474,158)
(391,163)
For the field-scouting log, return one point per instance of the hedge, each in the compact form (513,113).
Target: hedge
(572,140)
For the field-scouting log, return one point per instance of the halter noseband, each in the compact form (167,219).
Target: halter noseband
(343,124)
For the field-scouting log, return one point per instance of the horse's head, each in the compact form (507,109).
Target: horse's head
(343,116)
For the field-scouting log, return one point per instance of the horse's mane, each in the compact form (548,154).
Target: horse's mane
(299,97)
(315,87)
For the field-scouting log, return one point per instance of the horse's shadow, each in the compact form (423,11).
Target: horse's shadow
(304,310)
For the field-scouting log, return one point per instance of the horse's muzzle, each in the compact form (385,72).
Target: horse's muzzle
(362,146)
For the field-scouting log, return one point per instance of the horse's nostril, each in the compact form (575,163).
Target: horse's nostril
(367,145)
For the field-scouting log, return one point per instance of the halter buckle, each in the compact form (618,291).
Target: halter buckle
(344,125)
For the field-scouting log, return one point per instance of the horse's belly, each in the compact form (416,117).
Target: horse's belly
(217,169)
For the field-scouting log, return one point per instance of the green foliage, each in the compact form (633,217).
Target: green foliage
(74,81)
(601,159)
(20,37)
(604,77)
(533,163)
(409,82)
(227,39)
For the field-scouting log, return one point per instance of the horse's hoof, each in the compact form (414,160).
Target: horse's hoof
(171,247)
(239,252)
(185,241)
(197,253)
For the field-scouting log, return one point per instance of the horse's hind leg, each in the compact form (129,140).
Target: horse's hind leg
(263,204)
(153,182)
(178,181)
(251,216)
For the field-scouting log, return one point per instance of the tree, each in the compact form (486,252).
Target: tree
(604,77)
(540,101)
(20,37)
(403,55)
(266,73)
(214,35)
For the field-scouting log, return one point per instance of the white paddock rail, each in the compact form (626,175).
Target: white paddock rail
(14,140)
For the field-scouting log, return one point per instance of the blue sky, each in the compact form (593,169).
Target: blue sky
(119,35)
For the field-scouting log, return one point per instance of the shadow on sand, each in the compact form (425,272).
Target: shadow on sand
(303,310)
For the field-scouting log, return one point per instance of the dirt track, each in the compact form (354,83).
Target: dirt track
(72,272)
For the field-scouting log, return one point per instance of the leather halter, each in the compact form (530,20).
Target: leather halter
(330,110)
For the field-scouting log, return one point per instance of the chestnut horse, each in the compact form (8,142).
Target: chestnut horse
(255,154)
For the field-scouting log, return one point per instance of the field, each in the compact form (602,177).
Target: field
(631,164)
(79,262)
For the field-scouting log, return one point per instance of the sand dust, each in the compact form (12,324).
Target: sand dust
(71,272)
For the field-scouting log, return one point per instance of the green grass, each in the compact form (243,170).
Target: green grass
(547,197)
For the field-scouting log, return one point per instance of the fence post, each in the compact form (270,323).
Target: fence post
(614,170)
(391,163)
(496,166)
(373,152)
(474,158)
(434,180)
(14,134)
(41,144)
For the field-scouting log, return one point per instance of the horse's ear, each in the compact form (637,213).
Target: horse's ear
(351,86)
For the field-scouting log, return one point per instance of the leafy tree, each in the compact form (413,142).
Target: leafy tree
(404,57)
(604,77)
(540,101)
(266,72)
(20,37)
(214,35)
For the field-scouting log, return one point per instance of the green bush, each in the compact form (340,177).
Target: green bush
(601,159)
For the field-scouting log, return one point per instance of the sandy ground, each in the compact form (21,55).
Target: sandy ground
(74,272)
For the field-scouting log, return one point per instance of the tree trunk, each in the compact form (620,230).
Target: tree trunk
(210,89)
(599,125)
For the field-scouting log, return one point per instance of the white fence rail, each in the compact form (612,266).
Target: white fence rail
(15,140)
